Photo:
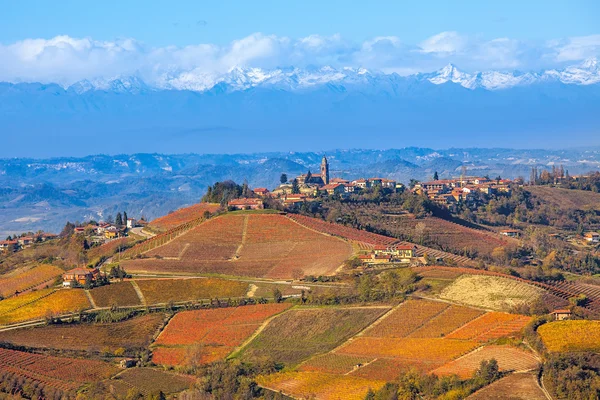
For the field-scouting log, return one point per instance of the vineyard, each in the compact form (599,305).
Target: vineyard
(303,332)
(118,294)
(320,386)
(136,333)
(578,335)
(157,291)
(368,239)
(491,326)
(39,305)
(257,245)
(514,386)
(181,216)
(490,292)
(96,254)
(61,373)
(29,279)
(204,336)
(151,381)
(509,359)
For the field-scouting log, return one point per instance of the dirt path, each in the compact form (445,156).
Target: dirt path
(138,291)
(244,235)
(252,290)
(90,298)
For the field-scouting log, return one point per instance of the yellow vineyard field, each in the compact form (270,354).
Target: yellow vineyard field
(571,335)
(57,302)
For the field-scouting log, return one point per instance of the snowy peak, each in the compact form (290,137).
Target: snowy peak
(293,79)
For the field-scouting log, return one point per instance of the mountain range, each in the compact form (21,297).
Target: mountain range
(45,193)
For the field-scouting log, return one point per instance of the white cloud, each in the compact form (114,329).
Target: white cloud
(65,60)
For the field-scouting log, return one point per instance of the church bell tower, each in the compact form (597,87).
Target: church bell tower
(325,171)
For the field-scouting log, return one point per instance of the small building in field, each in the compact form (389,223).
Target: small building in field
(510,233)
(246,204)
(560,315)
(131,223)
(375,258)
(592,237)
(80,276)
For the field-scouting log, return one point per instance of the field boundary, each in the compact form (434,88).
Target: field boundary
(139,292)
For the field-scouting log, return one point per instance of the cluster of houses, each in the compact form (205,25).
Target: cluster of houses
(23,242)
(309,187)
(80,276)
(104,231)
(451,192)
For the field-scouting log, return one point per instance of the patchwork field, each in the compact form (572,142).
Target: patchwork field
(9,284)
(423,335)
(204,336)
(303,332)
(58,372)
(118,294)
(182,216)
(149,381)
(41,303)
(490,292)
(135,333)
(561,336)
(257,245)
(165,290)
(513,387)
(509,359)
(322,386)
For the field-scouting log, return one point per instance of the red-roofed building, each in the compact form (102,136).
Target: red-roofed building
(246,204)
(80,276)
(334,188)
(262,192)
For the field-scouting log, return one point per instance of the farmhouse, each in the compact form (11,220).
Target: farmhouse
(509,232)
(560,315)
(111,232)
(592,237)
(398,252)
(80,276)
(131,223)
(246,204)
(8,244)
(25,241)
(334,188)
(262,192)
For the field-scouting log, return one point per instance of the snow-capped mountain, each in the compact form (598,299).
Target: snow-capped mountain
(291,78)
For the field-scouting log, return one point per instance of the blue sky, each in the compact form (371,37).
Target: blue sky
(71,40)
(180,23)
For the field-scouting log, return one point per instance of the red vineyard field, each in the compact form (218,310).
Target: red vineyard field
(203,336)
(257,245)
(58,372)
(182,216)
(368,239)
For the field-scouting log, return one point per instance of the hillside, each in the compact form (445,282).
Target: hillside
(247,244)
(181,216)
(566,198)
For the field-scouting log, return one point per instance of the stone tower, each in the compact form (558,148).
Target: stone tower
(325,170)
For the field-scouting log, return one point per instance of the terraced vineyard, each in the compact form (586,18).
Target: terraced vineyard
(22,281)
(181,216)
(490,292)
(251,244)
(368,239)
(157,291)
(514,386)
(204,336)
(61,373)
(303,332)
(39,304)
(136,333)
(426,335)
(562,336)
(509,359)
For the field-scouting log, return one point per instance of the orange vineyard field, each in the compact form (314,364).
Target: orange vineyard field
(182,216)
(509,359)
(39,305)
(257,245)
(203,336)
(28,279)
(318,385)
(57,372)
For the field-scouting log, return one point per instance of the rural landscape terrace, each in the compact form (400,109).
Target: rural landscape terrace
(300,200)
(319,287)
